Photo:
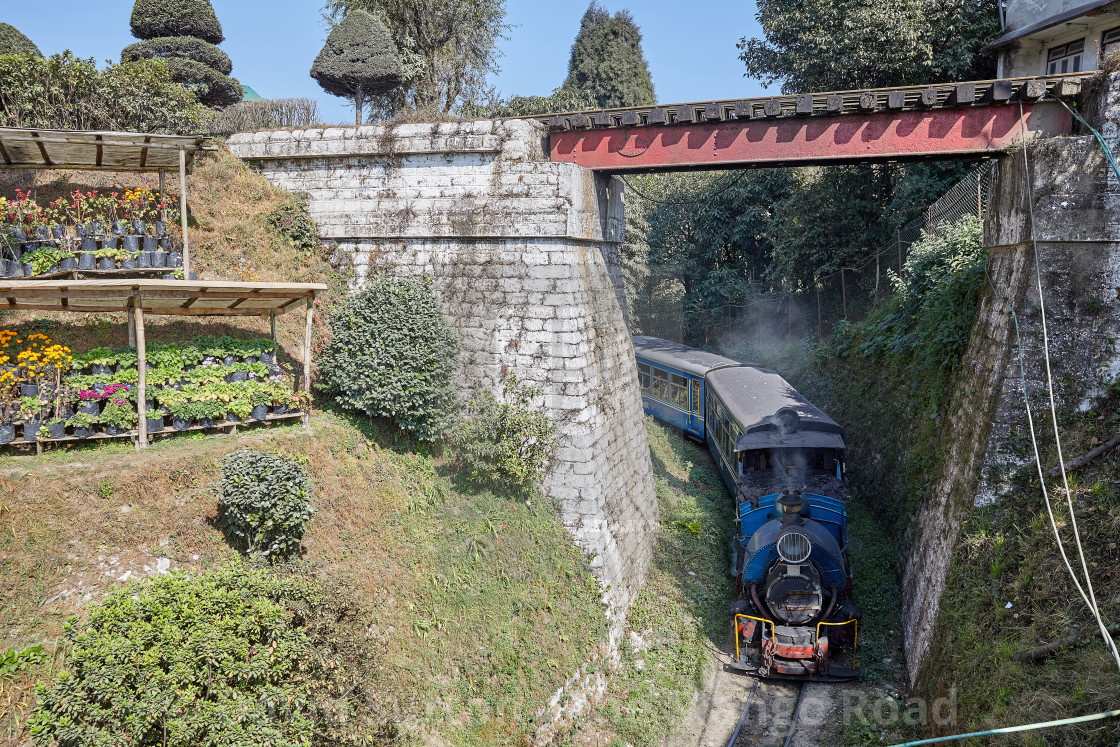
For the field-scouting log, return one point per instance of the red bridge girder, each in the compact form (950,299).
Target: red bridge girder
(938,134)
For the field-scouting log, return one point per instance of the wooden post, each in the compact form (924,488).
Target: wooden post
(844,292)
(307,360)
(141,375)
(183,212)
(131,330)
(162,198)
(272,324)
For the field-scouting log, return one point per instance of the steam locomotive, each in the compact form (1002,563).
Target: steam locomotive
(783,460)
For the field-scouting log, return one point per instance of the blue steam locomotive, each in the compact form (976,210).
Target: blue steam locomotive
(783,460)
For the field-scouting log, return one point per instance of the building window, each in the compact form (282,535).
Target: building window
(1065,58)
(1110,42)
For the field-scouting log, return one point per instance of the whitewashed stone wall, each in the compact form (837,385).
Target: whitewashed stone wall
(524,256)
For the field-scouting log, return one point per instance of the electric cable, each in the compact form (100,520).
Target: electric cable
(1097,135)
(738,178)
(1013,729)
(1091,600)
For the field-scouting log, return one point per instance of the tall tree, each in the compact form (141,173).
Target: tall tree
(607,60)
(184,34)
(448,48)
(359,61)
(12,41)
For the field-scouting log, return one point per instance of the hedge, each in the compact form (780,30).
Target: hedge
(181,47)
(211,87)
(156,18)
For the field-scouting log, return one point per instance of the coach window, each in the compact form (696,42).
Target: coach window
(1065,58)
(694,400)
(643,377)
(678,391)
(660,388)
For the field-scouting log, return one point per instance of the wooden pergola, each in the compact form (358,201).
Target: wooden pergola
(107,151)
(140,297)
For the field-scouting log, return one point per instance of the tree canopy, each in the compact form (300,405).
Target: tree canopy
(184,32)
(360,60)
(447,48)
(12,41)
(607,60)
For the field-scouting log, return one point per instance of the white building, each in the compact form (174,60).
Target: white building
(1051,37)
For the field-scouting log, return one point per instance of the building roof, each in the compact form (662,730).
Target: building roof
(160,297)
(1049,22)
(248,94)
(108,151)
(680,357)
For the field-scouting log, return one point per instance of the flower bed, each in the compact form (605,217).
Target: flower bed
(118,232)
(51,394)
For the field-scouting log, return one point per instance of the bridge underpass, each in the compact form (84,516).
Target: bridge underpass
(953,121)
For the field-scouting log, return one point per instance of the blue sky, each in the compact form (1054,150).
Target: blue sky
(690,49)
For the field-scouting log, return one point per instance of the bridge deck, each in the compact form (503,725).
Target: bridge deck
(961,120)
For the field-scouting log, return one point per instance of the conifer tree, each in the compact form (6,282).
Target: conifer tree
(359,60)
(184,34)
(607,60)
(12,41)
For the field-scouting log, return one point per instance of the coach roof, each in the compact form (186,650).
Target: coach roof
(680,357)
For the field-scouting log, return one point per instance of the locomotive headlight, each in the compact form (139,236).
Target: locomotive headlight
(794,547)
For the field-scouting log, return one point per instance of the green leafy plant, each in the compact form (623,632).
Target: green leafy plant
(393,354)
(506,441)
(83,420)
(183,660)
(13,661)
(265,501)
(44,258)
(117,415)
(294,223)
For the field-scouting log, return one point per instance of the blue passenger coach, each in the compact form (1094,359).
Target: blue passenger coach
(671,376)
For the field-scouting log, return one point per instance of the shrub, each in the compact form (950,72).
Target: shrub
(294,223)
(184,660)
(154,18)
(359,60)
(181,47)
(67,93)
(267,114)
(505,441)
(265,501)
(12,41)
(393,354)
(211,87)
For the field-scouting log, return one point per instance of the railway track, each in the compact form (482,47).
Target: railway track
(772,691)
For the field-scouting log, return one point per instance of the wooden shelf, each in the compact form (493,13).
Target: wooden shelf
(103,273)
(134,434)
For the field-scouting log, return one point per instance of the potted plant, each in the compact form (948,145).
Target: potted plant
(106,256)
(209,410)
(268,352)
(260,397)
(53,429)
(183,411)
(31,410)
(118,416)
(89,402)
(100,360)
(126,358)
(83,424)
(9,404)
(155,420)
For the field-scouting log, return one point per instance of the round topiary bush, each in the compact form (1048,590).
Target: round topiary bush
(179,47)
(12,41)
(393,354)
(265,502)
(211,87)
(154,18)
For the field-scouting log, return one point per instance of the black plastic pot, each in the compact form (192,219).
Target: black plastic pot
(139,228)
(42,233)
(112,430)
(90,407)
(65,412)
(155,425)
(229,360)
(110,242)
(68,264)
(131,244)
(58,232)
(96,228)
(89,244)
(260,412)
(144,260)
(268,357)
(206,422)
(239,376)
(279,409)
(159,259)
(97,370)
(5,268)
(99,388)
(83,431)
(180,424)
(165,243)
(120,227)
(18,234)
(161,229)
(51,270)
(82,230)
(56,430)
(129,264)
(7,433)
(29,390)
(151,243)
(31,430)
(251,359)
(232,418)
(86,261)
(174,259)
(27,271)
(106,263)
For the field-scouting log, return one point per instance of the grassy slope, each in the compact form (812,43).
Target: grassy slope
(484,602)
